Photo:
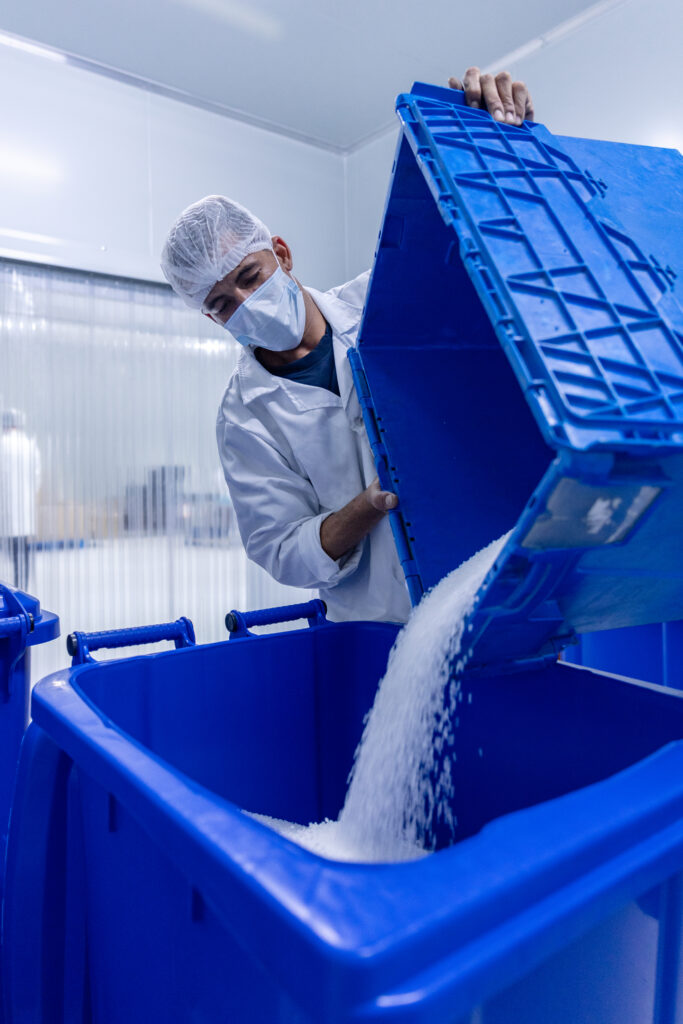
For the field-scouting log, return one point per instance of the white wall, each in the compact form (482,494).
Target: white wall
(368,172)
(618,77)
(93,172)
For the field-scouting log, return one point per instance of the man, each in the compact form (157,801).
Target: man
(290,431)
(19,485)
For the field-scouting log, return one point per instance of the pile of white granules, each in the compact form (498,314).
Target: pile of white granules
(402,774)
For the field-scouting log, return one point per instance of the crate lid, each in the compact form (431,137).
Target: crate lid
(520,364)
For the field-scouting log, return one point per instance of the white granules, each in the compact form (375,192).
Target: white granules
(402,777)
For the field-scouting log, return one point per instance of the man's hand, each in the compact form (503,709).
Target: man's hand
(342,530)
(381,500)
(504,99)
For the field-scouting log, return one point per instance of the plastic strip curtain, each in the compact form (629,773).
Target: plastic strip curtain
(113,507)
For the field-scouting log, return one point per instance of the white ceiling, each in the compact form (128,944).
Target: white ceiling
(321,70)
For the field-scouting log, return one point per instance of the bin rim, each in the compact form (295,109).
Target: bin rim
(508,879)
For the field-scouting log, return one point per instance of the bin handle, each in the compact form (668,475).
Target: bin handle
(79,645)
(237,623)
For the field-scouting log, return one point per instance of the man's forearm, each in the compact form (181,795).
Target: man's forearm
(342,530)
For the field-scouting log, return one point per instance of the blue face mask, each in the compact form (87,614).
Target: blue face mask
(273,317)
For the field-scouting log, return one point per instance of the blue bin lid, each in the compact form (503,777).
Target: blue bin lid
(520,364)
(37,626)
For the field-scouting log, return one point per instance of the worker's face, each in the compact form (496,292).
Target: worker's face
(240,283)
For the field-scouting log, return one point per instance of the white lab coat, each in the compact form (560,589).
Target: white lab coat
(293,453)
(19,483)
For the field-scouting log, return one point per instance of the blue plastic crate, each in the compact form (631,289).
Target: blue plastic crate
(139,891)
(521,368)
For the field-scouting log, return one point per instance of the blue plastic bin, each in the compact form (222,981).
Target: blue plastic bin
(653,652)
(23,624)
(139,891)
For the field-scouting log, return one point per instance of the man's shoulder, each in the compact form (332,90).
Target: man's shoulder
(232,397)
(353,292)
(240,405)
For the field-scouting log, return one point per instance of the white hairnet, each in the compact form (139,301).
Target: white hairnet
(209,239)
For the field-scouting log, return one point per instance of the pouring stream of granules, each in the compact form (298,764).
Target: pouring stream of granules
(402,773)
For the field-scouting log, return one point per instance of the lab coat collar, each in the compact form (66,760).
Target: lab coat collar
(255,381)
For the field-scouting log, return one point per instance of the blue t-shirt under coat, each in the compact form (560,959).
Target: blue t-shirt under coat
(316,367)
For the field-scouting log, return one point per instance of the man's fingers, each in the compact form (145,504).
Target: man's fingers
(504,99)
(504,86)
(521,99)
(472,86)
(490,97)
(384,501)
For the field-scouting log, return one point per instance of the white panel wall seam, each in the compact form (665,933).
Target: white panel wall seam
(347,260)
(46,52)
